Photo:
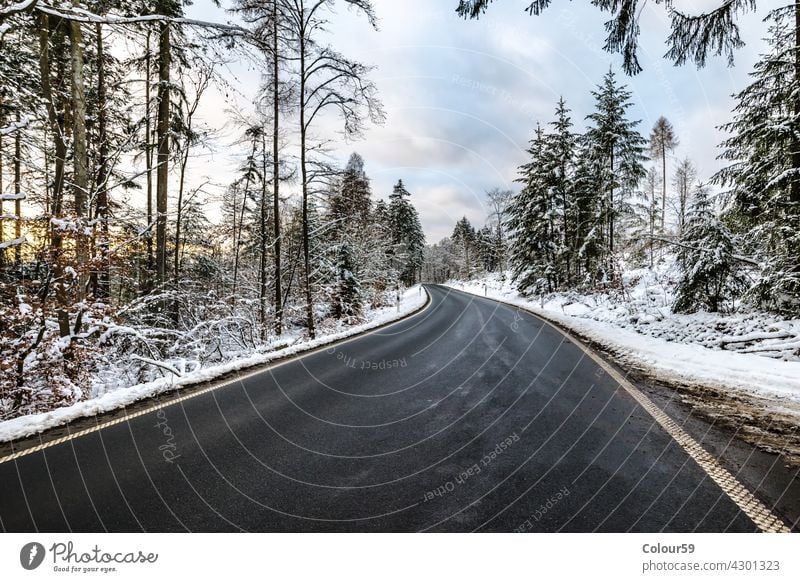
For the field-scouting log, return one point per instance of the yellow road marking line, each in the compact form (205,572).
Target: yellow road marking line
(222,384)
(758,513)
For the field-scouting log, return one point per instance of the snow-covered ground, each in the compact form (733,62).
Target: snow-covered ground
(637,327)
(412,300)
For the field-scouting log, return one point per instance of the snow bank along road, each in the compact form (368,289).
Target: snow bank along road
(469,415)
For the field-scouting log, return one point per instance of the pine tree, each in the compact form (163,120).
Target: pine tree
(407,236)
(589,225)
(619,149)
(560,156)
(711,278)
(347,300)
(351,204)
(762,179)
(465,239)
(530,224)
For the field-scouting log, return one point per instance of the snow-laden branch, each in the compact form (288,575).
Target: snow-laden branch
(11,197)
(14,127)
(12,243)
(17,8)
(739,258)
(158,364)
(81,15)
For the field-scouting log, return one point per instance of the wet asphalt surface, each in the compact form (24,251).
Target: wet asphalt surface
(469,416)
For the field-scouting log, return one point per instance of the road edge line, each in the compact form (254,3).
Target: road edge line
(254,370)
(744,499)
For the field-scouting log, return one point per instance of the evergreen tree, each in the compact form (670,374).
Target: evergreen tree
(407,236)
(465,239)
(530,224)
(589,224)
(560,156)
(619,149)
(347,300)
(762,180)
(351,204)
(710,275)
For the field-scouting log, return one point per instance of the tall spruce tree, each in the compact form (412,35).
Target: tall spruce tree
(763,177)
(407,236)
(530,223)
(351,204)
(465,239)
(619,149)
(560,155)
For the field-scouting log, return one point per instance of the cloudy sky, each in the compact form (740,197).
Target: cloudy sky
(463,97)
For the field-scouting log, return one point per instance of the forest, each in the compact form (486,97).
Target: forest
(113,270)
(597,202)
(117,267)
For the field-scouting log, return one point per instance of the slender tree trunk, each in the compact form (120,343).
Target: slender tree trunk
(304,172)
(664,186)
(57,130)
(162,129)
(651,213)
(795,186)
(18,192)
(179,213)
(148,155)
(80,174)
(276,178)
(237,236)
(263,246)
(611,217)
(103,289)
(2,170)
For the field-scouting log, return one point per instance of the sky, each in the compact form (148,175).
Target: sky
(463,97)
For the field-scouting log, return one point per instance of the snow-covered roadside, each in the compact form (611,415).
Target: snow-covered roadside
(413,299)
(768,379)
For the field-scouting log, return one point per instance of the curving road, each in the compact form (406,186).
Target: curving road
(467,416)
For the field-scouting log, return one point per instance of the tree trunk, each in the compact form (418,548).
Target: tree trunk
(56,126)
(263,246)
(80,175)
(179,212)
(794,193)
(162,129)
(2,220)
(611,217)
(17,193)
(651,212)
(148,156)
(103,288)
(237,236)
(664,186)
(276,178)
(304,172)
(795,187)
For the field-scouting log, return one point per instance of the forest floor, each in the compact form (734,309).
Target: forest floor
(293,342)
(740,369)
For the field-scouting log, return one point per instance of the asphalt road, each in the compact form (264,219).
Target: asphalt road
(467,416)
